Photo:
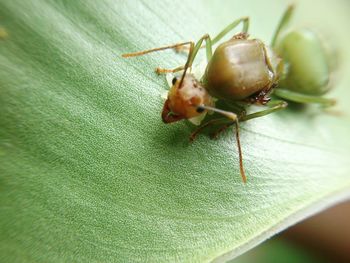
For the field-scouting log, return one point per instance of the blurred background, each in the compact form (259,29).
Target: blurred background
(323,238)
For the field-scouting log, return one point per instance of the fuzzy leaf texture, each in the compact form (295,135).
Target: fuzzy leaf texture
(88,171)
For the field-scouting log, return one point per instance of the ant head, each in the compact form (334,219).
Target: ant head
(184,97)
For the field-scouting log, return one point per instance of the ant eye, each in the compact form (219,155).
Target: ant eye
(200,109)
(174,80)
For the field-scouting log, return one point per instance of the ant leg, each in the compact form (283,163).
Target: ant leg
(282,24)
(231,119)
(240,154)
(273,106)
(165,71)
(193,52)
(234,24)
(209,123)
(238,109)
(302,98)
(161,70)
(216,134)
(191,55)
(141,53)
(195,49)
(221,129)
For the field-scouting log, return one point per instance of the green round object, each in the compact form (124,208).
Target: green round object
(306,63)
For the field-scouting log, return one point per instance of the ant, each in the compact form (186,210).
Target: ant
(244,71)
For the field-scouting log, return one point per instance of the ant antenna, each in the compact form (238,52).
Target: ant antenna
(234,118)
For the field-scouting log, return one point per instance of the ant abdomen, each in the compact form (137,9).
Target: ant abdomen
(240,68)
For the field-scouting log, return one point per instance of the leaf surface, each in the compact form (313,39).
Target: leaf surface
(89,173)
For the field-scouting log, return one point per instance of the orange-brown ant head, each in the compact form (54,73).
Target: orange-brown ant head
(184,98)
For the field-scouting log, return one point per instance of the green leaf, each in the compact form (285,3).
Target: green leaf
(89,173)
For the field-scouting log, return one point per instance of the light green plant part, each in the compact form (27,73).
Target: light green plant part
(306,60)
(89,173)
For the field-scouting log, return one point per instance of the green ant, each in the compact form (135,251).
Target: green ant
(244,71)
